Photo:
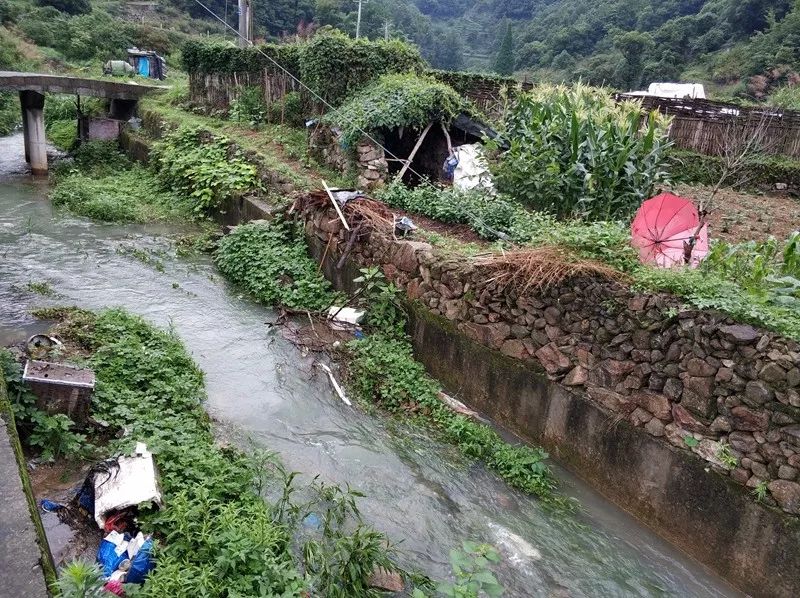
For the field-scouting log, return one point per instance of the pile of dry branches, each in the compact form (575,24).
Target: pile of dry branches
(540,268)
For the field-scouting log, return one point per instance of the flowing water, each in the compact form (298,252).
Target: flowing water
(419,492)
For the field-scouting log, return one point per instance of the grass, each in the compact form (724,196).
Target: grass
(216,535)
(283,149)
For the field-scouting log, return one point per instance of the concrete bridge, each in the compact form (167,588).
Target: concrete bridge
(33,86)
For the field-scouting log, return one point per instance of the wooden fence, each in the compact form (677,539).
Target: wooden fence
(714,128)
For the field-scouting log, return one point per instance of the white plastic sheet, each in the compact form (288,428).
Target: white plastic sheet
(132,484)
(472,171)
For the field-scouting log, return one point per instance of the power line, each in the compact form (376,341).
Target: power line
(304,86)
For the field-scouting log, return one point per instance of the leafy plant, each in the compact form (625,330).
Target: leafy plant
(472,569)
(691,441)
(725,455)
(575,152)
(80,579)
(383,371)
(385,312)
(760,492)
(248,107)
(396,101)
(269,261)
(205,168)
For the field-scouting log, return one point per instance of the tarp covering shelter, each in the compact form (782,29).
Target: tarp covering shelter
(147,63)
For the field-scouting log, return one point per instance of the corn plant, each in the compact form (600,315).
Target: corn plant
(575,153)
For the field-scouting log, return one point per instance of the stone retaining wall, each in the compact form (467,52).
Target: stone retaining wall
(727,392)
(367,159)
(649,403)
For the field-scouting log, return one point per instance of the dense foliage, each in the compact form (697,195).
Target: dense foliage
(217,536)
(205,168)
(101,183)
(332,64)
(395,101)
(270,262)
(758,172)
(575,152)
(756,283)
(383,370)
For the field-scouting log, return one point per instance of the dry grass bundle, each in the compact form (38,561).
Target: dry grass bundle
(372,214)
(540,268)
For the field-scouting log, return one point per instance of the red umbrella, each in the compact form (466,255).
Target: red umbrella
(667,232)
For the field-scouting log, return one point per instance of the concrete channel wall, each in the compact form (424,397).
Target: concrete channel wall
(591,404)
(649,403)
(24,554)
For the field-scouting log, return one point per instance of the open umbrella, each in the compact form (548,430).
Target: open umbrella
(667,232)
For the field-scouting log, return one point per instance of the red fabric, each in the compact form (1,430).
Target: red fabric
(667,228)
(115,587)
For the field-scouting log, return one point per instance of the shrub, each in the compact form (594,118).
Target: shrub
(395,101)
(575,152)
(757,172)
(70,7)
(205,168)
(269,261)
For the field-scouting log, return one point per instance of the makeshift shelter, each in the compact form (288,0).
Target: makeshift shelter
(147,63)
(413,126)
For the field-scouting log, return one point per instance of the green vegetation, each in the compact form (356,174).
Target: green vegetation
(757,283)
(52,436)
(471,568)
(504,64)
(205,168)
(332,64)
(576,153)
(383,371)
(396,101)
(270,262)
(102,184)
(759,171)
(216,536)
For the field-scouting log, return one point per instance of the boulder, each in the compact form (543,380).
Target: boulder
(740,334)
(553,360)
(576,377)
(654,403)
(787,495)
(749,420)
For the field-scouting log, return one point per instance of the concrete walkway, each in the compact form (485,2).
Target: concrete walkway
(21,573)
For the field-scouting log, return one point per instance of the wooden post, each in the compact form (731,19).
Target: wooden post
(410,159)
(335,205)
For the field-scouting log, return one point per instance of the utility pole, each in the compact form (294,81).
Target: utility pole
(386,31)
(245,23)
(358,22)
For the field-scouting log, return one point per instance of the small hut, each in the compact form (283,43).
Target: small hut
(413,125)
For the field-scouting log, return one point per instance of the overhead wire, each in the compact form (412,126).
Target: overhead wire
(306,87)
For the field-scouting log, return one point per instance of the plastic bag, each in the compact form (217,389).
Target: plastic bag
(108,554)
(142,563)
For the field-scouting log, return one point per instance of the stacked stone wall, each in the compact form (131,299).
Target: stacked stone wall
(725,391)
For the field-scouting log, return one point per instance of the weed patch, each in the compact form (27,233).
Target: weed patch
(269,261)
(217,536)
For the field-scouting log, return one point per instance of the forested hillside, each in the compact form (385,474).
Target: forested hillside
(749,49)
(746,48)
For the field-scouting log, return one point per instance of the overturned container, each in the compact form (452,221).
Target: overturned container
(61,388)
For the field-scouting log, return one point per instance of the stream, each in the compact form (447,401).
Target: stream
(419,492)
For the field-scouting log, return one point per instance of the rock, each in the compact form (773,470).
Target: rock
(698,396)
(787,472)
(640,416)
(698,367)
(576,377)
(553,360)
(740,334)
(749,420)
(673,388)
(552,315)
(763,343)
(492,335)
(723,375)
(720,425)
(520,332)
(687,421)
(772,373)
(655,427)
(760,470)
(741,475)
(611,372)
(709,450)
(794,460)
(793,377)
(641,339)
(654,403)
(388,581)
(613,401)
(514,348)
(405,254)
(757,393)
(787,494)
(792,434)
(742,442)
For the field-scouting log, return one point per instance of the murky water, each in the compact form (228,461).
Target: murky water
(418,491)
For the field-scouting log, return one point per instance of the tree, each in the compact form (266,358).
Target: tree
(632,45)
(504,65)
(70,7)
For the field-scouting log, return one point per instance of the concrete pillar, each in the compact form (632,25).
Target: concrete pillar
(122,109)
(33,128)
